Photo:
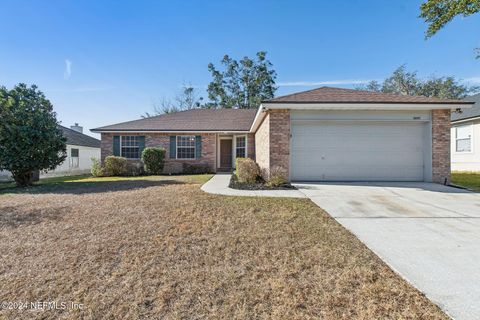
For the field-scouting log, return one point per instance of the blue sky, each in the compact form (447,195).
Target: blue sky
(102,62)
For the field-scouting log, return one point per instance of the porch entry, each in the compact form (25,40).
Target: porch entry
(225,154)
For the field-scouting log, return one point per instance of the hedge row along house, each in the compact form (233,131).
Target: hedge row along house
(325,134)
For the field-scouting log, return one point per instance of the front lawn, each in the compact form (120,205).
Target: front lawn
(468,180)
(161,248)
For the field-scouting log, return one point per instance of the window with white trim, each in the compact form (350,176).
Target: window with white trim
(463,138)
(185,147)
(241,146)
(130,147)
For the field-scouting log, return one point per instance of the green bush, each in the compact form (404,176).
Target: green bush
(247,170)
(154,160)
(135,169)
(115,166)
(97,168)
(277,177)
(196,168)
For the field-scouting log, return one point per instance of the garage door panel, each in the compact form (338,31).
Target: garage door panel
(359,159)
(340,173)
(370,151)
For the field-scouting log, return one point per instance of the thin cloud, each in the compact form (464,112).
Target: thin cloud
(322,83)
(68,69)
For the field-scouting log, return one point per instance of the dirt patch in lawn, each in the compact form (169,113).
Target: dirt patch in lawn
(170,251)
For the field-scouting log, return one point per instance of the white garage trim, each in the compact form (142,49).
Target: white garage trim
(403,137)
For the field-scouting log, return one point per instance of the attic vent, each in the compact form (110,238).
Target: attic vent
(417,118)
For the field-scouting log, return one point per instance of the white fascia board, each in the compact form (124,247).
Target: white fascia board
(166,131)
(466,120)
(258,118)
(363,106)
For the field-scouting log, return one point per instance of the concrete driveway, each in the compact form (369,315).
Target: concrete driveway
(428,233)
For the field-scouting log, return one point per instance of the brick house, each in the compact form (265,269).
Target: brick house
(325,134)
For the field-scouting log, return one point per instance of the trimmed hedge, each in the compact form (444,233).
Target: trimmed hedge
(154,160)
(247,170)
(116,166)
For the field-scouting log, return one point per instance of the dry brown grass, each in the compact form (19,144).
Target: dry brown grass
(169,251)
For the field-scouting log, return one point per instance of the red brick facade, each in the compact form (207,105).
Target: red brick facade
(272,141)
(270,145)
(440,146)
(162,140)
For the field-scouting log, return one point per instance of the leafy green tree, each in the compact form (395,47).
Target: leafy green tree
(241,84)
(437,13)
(408,83)
(30,139)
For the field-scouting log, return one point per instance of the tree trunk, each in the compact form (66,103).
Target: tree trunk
(23,179)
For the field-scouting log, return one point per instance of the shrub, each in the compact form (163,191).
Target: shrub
(115,166)
(277,176)
(97,168)
(154,160)
(196,168)
(247,170)
(135,169)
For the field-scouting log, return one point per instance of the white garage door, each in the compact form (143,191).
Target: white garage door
(357,151)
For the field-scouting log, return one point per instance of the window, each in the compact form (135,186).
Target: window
(185,147)
(463,138)
(129,147)
(74,153)
(240,147)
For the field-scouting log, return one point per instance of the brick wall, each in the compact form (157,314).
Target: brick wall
(440,145)
(162,140)
(262,144)
(251,145)
(272,140)
(280,139)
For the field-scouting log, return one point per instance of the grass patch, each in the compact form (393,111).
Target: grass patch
(166,250)
(470,180)
(59,183)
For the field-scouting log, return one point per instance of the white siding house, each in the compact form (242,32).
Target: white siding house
(80,150)
(465,137)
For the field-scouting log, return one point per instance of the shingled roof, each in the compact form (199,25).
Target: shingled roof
(340,95)
(79,139)
(190,120)
(468,113)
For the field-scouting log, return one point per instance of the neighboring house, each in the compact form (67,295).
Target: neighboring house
(325,134)
(465,134)
(80,149)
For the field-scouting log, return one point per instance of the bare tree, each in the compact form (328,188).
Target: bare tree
(187,99)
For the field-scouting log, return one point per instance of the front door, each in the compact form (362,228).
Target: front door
(226,153)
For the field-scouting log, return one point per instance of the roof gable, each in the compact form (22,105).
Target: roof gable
(341,95)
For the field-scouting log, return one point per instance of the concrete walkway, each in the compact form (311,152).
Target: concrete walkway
(428,233)
(218,184)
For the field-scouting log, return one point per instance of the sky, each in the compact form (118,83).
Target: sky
(103,62)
